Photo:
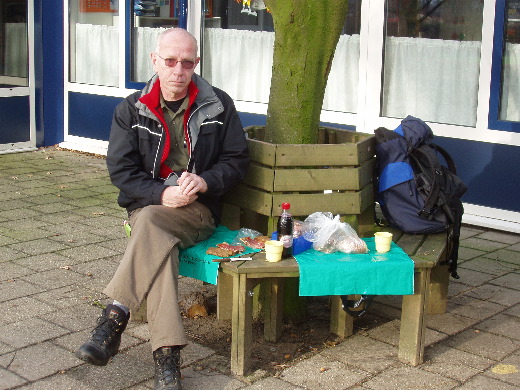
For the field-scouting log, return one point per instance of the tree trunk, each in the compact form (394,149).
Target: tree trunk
(306,35)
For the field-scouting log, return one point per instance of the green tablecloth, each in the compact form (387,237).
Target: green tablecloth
(390,273)
(195,263)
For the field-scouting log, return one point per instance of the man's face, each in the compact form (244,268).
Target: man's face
(175,61)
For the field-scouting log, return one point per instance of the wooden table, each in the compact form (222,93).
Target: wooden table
(237,280)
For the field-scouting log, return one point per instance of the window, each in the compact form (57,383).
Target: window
(149,18)
(94,56)
(238,50)
(13,44)
(431,60)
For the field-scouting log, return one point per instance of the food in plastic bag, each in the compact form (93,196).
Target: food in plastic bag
(250,238)
(297,228)
(328,234)
(245,232)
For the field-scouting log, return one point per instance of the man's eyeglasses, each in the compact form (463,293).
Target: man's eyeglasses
(172,62)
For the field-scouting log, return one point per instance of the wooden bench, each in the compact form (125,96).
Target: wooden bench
(237,280)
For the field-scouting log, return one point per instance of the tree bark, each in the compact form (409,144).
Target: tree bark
(306,35)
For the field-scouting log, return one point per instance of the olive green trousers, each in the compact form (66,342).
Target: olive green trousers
(149,268)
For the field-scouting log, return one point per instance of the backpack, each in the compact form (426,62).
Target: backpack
(418,189)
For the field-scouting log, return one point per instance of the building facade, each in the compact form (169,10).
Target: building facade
(65,65)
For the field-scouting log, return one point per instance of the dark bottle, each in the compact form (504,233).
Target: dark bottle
(284,230)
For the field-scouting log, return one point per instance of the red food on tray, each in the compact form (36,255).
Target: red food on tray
(216,251)
(233,248)
(252,243)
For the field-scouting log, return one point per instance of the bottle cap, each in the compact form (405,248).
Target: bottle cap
(286,206)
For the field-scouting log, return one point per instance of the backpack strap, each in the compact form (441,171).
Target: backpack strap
(454,238)
(454,213)
(449,161)
(418,155)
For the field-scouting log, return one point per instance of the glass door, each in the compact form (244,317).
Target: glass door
(15,107)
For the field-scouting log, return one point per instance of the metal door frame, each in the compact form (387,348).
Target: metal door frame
(25,91)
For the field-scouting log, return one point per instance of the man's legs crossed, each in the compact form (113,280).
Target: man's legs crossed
(149,268)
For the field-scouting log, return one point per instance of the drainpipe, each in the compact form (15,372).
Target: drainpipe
(183,14)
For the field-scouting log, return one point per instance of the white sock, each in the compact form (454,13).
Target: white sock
(121,306)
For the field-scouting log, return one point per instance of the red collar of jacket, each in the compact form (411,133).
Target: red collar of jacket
(152,100)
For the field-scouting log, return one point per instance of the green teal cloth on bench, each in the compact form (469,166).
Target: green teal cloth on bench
(195,263)
(390,273)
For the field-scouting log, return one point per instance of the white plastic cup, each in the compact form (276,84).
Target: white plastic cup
(383,241)
(273,250)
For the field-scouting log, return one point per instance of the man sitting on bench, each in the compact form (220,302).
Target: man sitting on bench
(175,148)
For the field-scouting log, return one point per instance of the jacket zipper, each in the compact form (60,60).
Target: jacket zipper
(189,133)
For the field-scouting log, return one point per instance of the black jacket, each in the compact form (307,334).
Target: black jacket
(214,135)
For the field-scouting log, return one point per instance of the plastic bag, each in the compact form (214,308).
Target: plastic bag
(245,232)
(328,234)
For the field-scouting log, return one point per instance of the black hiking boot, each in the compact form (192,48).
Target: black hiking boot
(167,368)
(105,338)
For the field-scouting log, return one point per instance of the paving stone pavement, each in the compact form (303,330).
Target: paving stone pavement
(61,239)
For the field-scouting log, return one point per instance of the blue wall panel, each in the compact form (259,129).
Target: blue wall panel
(49,70)
(259,120)
(90,116)
(489,170)
(251,119)
(15,115)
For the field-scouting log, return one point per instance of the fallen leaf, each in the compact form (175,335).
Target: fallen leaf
(504,369)
(98,304)
(197,311)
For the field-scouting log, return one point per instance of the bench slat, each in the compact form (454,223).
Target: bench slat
(432,248)
(410,243)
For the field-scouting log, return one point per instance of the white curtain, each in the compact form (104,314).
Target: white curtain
(146,42)
(510,103)
(15,59)
(96,55)
(435,80)
(240,62)
(342,86)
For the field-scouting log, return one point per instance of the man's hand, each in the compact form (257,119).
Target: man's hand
(190,184)
(172,196)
